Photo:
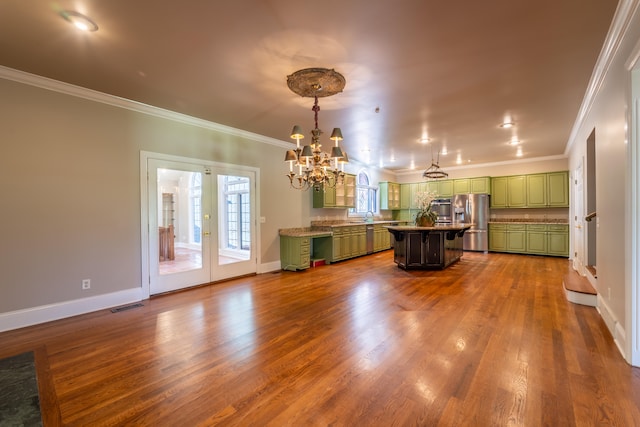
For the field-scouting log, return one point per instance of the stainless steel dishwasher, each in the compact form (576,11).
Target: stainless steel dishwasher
(370,238)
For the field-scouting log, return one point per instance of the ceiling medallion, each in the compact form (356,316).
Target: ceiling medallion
(320,82)
(314,165)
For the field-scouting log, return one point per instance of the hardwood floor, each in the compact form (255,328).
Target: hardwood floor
(491,341)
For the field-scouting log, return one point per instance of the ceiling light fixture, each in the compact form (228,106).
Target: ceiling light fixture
(79,20)
(312,162)
(507,125)
(425,140)
(434,171)
(514,141)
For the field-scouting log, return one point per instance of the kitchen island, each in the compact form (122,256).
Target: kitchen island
(434,247)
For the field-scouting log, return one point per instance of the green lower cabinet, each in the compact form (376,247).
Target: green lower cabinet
(295,253)
(558,240)
(537,239)
(516,238)
(534,239)
(497,237)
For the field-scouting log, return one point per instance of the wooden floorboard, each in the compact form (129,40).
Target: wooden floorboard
(489,341)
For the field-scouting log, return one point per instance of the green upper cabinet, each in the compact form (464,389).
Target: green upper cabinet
(389,195)
(442,188)
(416,188)
(540,190)
(516,191)
(405,195)
(339,196)
(461,186)
(537,190)
(499,192)
(480,185)
(558,189)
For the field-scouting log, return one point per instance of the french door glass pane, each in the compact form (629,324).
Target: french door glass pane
(179,221)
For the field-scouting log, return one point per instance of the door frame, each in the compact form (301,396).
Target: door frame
(145,276)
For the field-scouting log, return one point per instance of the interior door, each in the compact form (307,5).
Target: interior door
(179,249)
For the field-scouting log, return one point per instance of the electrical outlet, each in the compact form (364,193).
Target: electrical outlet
(86,284)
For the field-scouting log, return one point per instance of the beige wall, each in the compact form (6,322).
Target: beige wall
(608,116)
(71,198)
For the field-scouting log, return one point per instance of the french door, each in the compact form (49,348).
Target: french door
(201,222)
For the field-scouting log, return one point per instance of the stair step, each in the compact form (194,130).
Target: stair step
(579,290)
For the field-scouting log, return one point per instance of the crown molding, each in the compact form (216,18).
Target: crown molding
(619,26)
(492,164)
(115,101)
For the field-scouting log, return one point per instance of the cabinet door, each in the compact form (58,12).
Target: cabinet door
(516,191)
(405,196)
(537,242)
(416,188)
(461,186)
(480,185)
(499,192)
(445,188)
(558,189)
(394,189)
(558,240)
(433,249)
(537,190)
(414,248)
(497,238)
(350,190)
(516,241)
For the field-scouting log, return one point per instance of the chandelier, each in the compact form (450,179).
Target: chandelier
(434,171)
(315,168)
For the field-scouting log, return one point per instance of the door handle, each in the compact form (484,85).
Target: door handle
(206,233)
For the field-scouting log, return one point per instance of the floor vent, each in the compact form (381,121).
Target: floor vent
(126,307)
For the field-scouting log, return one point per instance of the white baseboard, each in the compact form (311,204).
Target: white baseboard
(269,267)
(615,328)
(46,313)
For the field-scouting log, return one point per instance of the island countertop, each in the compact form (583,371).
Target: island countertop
(436,227)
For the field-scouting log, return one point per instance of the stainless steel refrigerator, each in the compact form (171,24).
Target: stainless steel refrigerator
(473,209)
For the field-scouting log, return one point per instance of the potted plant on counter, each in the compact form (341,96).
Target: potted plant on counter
(425,217)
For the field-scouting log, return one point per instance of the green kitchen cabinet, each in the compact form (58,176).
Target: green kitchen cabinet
(537,238)
(442,188)
(461,186)
(389,195)
(325,198)
(516,238)
(381,238)
(516,191)
(558,240)
(405,196)
(498,237)
(558,189)
(480,185)
(499,192)
(417,188)
(341,195)
(536,190)
(295,253)
(358,240)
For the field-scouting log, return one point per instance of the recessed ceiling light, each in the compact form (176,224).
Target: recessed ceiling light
(519,152)
(507,125)
(444,151)
(514,141)
(424,140)
(80,21)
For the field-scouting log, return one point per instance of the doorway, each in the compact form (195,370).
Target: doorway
(201,222)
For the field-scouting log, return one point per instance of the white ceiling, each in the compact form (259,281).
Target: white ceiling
(449,69)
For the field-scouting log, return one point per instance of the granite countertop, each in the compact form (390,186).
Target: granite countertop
(304,232)
(437,227)
(528,221)
(325,228)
